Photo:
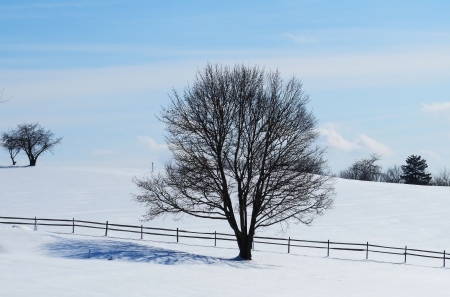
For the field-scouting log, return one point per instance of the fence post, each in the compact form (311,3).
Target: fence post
(35,224)
(106,229)
(142,234)
(328,248)
(289,245)
(73,225)
(177,234)
(215,238)
(406,251)
(444,258)
(367,250)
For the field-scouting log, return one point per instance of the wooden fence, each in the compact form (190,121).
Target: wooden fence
(289,243)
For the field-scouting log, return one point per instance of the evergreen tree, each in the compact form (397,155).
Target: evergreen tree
(414,171)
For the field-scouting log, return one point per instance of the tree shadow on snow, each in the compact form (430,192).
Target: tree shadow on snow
(133,252)
(14,166)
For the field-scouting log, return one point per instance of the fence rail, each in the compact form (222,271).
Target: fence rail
(179,233)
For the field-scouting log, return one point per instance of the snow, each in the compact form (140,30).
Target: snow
(53,262)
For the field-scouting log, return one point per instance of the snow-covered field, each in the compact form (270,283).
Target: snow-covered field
(45,263)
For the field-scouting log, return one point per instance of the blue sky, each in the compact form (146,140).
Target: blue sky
(377,72)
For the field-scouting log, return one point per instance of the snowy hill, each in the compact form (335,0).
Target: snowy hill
(49,264)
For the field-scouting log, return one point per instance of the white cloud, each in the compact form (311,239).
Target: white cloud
(156,152)
(375,146)
(363,142)
(320,70)
(152,144)
(443,107)
(431,154)
(414,66)
(336,140)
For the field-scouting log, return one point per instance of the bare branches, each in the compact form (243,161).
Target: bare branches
(364,169)
(32,139)
(10,143)
(442,178)
(392,175)
(1,97)
(242,143)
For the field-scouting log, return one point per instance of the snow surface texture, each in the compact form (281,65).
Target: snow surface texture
(45,263)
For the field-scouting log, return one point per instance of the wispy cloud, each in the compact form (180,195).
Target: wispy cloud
(152,144)
(431,154)
(334,139)
(299,38)
(43,5)
(363,142)
(367,35)
(48,85)
(375,146)
(437,108)
(324,71)
(39,47)
(157,152)
(148,49)
(401,67)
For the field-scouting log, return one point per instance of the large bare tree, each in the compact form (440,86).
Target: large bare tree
(243,151)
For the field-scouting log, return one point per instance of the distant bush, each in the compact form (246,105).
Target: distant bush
(364,169)
(392,175)
(442,178)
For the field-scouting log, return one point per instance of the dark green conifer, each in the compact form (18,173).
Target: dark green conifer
(414,171)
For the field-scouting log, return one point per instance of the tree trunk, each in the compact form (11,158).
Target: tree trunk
(245,247)
(32,162)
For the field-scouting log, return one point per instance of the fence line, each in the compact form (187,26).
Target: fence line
(179,233)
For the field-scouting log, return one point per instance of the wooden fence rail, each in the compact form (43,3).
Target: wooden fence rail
(215,236)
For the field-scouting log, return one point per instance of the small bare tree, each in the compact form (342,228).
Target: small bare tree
(242,143)
(9,143)
(34,140)
(392,175)
(442,178)
(364,169)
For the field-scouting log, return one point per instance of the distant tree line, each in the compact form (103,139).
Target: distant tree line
(30,138)
(413,172)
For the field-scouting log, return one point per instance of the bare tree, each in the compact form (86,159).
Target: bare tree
(242,143)
(442,178)
(34,140)
(364,169)
(9,143)
(392,175)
